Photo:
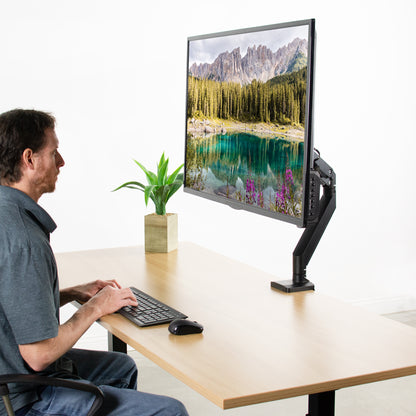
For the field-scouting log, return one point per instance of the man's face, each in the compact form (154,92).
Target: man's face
(48,162)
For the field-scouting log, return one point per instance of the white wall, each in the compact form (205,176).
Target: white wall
(113,73)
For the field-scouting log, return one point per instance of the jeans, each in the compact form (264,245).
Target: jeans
(116,375)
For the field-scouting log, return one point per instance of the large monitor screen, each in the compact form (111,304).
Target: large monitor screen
(249,118)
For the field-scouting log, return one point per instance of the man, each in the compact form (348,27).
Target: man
(32,338)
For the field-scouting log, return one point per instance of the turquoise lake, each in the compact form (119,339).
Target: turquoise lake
(223,165)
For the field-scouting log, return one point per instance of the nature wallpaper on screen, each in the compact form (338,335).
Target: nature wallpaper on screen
(246,107)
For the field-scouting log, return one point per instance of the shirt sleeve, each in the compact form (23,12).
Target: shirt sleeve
(28,295)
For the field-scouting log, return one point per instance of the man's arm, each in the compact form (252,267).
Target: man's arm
(39,355)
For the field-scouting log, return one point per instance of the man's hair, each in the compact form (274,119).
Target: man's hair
(20,130)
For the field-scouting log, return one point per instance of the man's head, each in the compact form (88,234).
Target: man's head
(29,159)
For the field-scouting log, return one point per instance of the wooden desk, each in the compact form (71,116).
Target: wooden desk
(258,344)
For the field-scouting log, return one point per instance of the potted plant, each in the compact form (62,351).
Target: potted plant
(160,228)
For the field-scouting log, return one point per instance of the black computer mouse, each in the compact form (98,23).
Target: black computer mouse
(185,327)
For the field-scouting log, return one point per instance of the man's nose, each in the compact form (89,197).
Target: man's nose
(60,160)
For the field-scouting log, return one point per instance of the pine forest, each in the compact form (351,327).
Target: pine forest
(279,100)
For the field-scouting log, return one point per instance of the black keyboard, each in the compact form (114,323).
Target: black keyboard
(149,311)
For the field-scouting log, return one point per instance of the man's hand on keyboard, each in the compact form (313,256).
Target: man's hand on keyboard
(111,298)
(88,290)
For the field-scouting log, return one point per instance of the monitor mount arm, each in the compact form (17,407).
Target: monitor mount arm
(319,214)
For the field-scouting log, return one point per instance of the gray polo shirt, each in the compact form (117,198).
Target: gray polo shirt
(29,290)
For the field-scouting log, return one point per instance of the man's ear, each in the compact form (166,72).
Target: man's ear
(27,159)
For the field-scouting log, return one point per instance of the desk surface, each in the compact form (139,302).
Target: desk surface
(295,344)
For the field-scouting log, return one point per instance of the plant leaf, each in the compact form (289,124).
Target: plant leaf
(151,177)
(131,185)
(173,188)
(161,161)
(179,178)
(148,192)
(165,193)
(173,176)
(158,191)
(162,172)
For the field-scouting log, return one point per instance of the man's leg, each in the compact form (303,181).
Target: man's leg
(116,374)
(62,401)
(105,368)
(117,402)
(128,402)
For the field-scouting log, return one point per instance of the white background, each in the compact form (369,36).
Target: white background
(114,74)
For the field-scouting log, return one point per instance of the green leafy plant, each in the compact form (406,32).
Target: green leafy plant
(161,186)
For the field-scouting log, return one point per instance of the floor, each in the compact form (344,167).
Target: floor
(395,397)
(391,398)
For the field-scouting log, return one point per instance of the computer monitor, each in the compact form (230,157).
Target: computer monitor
(249,115)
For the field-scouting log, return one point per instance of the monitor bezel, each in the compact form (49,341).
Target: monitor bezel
(308,140)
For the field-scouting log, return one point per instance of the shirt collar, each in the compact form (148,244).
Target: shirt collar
(28,204)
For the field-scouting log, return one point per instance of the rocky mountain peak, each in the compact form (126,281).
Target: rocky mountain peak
(259,63)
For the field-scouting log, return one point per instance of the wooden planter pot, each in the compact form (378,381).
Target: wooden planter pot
(160,233)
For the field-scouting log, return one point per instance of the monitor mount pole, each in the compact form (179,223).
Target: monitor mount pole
(320,213)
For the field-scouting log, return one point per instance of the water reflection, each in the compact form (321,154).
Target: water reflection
(231,165)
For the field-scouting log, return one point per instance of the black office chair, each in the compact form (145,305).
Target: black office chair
(47,381)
